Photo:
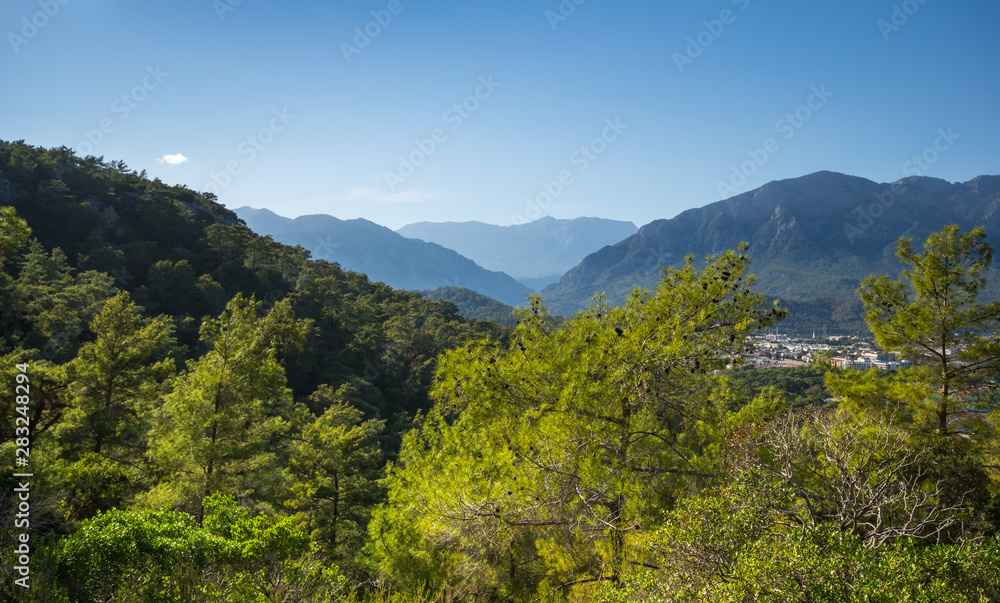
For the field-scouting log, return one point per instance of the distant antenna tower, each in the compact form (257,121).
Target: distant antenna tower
(824,331)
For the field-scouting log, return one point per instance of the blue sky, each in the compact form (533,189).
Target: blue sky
(505,111)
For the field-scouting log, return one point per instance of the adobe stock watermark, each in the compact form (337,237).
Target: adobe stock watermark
(787,127)
(249,149)
(582,159)
(900,16)
(656,259)
(326,248)
(562,13)
(122,107)
(714,29)
(271,299)
(455,117)
(224,7)
(363,36)
(31,25)
(917,165)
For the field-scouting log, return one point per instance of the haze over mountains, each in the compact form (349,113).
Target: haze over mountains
(426,256)
(537,253)
(383,255)
(811,237)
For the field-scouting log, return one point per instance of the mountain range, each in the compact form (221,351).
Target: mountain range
(402,263)
(813,237)
(537,253)
(812,240)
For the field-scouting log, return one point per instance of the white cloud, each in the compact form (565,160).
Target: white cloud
(173,159)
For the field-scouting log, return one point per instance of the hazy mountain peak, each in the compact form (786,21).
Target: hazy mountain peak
(364,246)
(263,211)
(537,252)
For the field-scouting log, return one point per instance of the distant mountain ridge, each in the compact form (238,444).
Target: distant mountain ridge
(536,253)
(402,263)
(811,237)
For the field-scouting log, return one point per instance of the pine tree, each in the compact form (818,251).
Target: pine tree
(217,430)
(933,316)
(114,381)
(335,465)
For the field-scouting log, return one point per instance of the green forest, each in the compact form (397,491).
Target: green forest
(208,415)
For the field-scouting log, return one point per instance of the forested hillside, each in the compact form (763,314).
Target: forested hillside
(197,413)
(99,228)
(474,305)
(138,304)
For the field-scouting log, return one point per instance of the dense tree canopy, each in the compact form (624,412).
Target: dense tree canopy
(577,430)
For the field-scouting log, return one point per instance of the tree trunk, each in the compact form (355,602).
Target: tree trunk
(336,508)
(942,413)
(211,460)
(617,507)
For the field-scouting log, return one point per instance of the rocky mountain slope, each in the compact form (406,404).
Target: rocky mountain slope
(811,237)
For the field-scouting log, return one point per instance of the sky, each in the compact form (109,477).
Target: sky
(400,111)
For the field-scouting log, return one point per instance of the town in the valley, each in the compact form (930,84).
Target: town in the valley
(842,351)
